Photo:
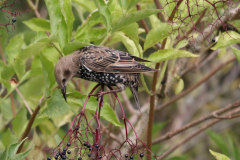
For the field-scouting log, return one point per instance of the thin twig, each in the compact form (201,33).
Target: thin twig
(24,101)
(159,6)
(204,79)
(197,122)
(13,105)
(165,154)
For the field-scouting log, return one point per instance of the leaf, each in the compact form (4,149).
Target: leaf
(38,24)
(14,47)
(19,122)
(4,154)
(131,31)
(107,112)
(132,3)
(62,33)
(105,13)
(92,35)
(129,44)
(19,66)
(133,17)
(166,54)
(56,106)
(157,34)
(8,138)
(93,19)
(23,155)
(219,156)
(88,5)
(182,44)
(237,53)
(123,3)
(55,14)
(48,73)
(32,50)
(227,39)
(178,87)
(72,46)
(7,72)
(6,84)
(66,9)
(154,21)
(42,37)
(219,141)
(13,148)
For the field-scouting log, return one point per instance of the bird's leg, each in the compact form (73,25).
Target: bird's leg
(121,87)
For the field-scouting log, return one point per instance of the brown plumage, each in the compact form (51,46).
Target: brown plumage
(103,65)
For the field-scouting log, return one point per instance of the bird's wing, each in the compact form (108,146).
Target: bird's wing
(103,59)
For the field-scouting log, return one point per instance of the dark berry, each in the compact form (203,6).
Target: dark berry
(63,153)
(60,159)
(64,149)
(89,155)
(48,158)
(100,157)
(85,144)
(15,20)
(213,40)
(69,152)
(97,146)
(79,158)
(141,155)
(131,157)
(77,128)
(88,145)
(68,144)
(57,154)
(90,149)
(126,155)
(64,157)
(56,157)
(163,82)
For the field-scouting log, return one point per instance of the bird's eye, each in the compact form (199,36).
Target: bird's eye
(63,80)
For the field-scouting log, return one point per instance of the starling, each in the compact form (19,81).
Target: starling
(103,65)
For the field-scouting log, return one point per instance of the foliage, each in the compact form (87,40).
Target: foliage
(184,36)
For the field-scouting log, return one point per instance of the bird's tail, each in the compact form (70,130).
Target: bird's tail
(135,94)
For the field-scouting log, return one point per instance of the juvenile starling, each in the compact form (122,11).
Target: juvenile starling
(102,65)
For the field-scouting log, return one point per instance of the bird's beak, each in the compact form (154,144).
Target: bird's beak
(64,93)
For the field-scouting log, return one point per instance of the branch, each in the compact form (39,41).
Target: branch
(165,154)
(159,6)
(196,122)
(204,79)
(24,101)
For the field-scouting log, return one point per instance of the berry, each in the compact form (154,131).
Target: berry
(64,157)
(90,149)
(79,158)
(68,144)
(63,153)
(89,155)
(141,155)
(61,159)
(57,154)
(64,149)
(100,157)
(131,157)
(85,144)
(126,155)
(56,157)
(14,20)
(88,145)
(69,152)
(97,146)
(48,158)
(77,128)
(213,40)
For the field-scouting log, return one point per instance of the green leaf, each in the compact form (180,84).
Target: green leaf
(63,33)
(42,37)
(72,46)
(129,44)
(107,112)
(19,66)
(227,39)
(221,143)
(157,34)
(93,19)
(8,138)
(19,122)
(237,53)
(23,155)
(56,106)
(14,47)
(219,156)
(178,87)
(182,44)
(13,148)
(132,3)
(92,35)
(166,54)
(32,50)
(154,21)
(48,72)
(105,13)
(55,14)
(131,31)
(4,154)
(66,9)
(88,5)
(133,17)
(123,3)
(7,72)
(38,24)
(6,83)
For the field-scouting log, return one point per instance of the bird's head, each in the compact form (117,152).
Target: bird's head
(64,71)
